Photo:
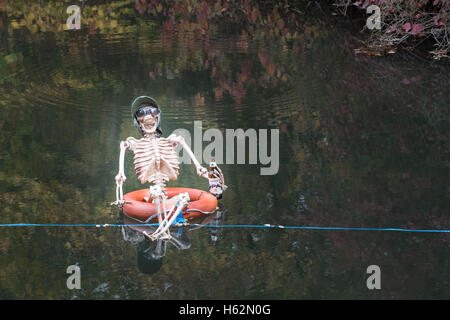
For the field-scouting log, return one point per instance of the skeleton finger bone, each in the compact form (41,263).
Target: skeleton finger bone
(202,172)
(119,194)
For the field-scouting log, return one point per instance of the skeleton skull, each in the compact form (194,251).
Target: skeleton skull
(148,119)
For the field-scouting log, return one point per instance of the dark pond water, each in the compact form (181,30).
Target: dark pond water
(363,142)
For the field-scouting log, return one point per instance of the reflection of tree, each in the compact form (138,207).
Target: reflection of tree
(406,22)
(356,150)
(51,16)
(222,71)
(193,22)
(356,135)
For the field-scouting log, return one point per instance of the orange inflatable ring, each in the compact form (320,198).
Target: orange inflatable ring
(202,202)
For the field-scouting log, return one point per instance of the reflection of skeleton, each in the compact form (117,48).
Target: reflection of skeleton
(150,256)
(137,234)
(156,162)
(135,231)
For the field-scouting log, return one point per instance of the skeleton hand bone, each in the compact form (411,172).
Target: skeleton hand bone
(120,179)
(202,172)
(118,203)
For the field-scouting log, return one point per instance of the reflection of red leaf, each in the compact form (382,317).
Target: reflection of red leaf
(246,7)
(436,19)
(417,28)
(263,58)
(406,26)
(139,7)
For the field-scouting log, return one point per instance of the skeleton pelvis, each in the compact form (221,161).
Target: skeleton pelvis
(169,201)
(201,202)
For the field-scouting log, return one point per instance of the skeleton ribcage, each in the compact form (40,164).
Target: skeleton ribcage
(155,160)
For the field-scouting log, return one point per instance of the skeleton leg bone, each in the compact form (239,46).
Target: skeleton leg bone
(157,195)
(163,228)
(183,199)
(162,222)
(162,231)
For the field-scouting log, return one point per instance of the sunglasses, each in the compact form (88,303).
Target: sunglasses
(146,111)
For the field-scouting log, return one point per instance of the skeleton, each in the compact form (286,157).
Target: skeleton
(156,162)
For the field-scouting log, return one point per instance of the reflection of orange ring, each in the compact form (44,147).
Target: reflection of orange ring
(201,202)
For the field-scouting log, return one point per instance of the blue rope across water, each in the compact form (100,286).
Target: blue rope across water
(223,226)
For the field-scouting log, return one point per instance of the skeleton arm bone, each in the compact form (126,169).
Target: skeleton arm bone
(130,143)
(120,177)
(201,171)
